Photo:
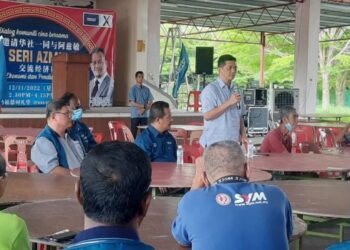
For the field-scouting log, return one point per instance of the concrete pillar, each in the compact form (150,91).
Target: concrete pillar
(138,42)
(307,28)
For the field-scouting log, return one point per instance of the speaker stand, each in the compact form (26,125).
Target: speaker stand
(204,83)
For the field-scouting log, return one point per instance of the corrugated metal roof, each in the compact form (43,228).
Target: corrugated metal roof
(271,16)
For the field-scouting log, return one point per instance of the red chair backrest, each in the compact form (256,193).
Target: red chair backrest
(305,134)
(192,152)
(119,131)
(20,147)
(98,137)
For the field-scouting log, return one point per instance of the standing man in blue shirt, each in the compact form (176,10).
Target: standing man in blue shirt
(156,140)
(114,191)
(222,107)
(224,211)
(140,99)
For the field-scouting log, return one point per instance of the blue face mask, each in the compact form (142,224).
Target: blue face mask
(77,114)
(288,126)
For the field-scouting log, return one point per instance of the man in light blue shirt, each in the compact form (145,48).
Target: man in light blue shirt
(140,99)
(222,107)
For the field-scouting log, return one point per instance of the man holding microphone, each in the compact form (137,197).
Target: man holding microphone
(222,107)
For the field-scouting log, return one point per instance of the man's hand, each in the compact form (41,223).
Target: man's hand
(142,111)
(198,181)
(234,99)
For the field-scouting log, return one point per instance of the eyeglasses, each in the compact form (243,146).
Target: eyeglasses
(68,114)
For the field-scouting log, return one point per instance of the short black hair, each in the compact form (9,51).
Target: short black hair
(138,73)
(55,105)
(157,110)
(285,111)
(2,166)
(67,97)
(224,58)
(98,50)
(115,178)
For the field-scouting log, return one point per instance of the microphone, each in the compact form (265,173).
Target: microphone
(235,89)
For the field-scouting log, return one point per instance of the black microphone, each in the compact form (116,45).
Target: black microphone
(235,89)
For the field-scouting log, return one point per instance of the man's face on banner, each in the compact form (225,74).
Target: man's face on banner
(98,64)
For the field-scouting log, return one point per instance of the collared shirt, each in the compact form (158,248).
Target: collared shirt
(44,153)
(142,95)
(227,125)
(231,211)
(276,142)
(100,80)
(159,147)
(113,236)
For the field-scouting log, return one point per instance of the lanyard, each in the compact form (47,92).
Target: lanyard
(230,178)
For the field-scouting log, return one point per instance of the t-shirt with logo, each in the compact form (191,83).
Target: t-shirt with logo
(235,215)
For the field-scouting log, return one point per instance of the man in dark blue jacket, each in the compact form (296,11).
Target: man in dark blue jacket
(54,151)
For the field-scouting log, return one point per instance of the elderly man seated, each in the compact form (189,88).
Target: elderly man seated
(224,211)
(279,140)
(54,151)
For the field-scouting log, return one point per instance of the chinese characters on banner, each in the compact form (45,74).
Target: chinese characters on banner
(33,34)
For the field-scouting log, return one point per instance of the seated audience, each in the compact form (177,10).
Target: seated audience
(114,191)
(279,140)
(79,131)
(13,230)
(224,211)
(54,151)
(156,140)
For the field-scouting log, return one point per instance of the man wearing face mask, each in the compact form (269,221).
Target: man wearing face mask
(279,140)
(79,131)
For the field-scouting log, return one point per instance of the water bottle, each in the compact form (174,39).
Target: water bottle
(294,143)
(180,155)
(250,151)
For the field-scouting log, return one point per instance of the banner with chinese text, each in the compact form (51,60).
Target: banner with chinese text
(33,34)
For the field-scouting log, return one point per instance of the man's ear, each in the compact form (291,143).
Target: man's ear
(78,193)
(146,201)
(205,179)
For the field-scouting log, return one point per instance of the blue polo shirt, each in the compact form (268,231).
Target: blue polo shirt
(142,95)
(159,147)
(227,125)
(108,237)
(235,215)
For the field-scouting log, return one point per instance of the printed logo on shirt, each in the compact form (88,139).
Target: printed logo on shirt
(223,199)
(154,145)
(250,199)
(169,142)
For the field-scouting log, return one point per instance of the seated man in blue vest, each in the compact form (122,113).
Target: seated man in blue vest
(114,191)
(54,151)
(224,211)
(156,141)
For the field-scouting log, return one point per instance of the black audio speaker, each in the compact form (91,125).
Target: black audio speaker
(204,60)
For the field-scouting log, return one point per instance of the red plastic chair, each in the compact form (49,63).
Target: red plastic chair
(191,153)
(305,134)
(180,135)
(98,137)
(120,132)
(17,154)
(196,101)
